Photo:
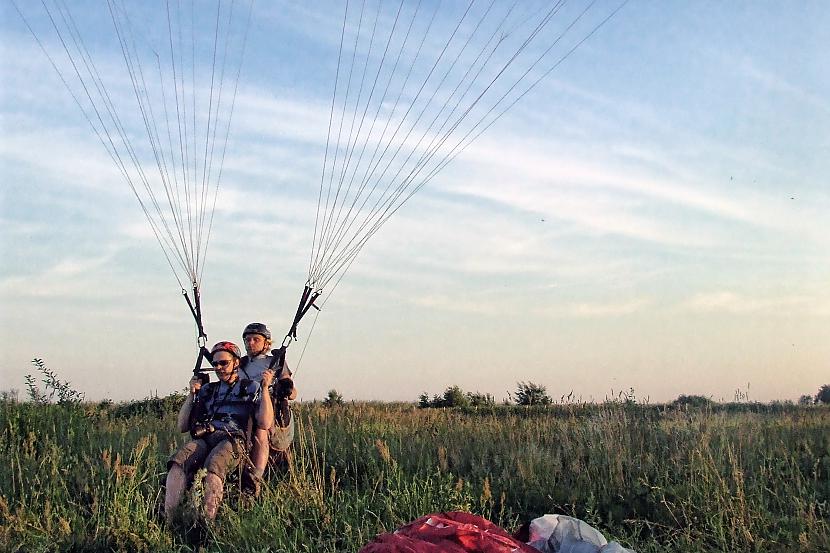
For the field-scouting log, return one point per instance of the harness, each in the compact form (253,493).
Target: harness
(275,362)
(213,408)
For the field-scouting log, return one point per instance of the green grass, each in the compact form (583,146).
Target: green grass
(725,478)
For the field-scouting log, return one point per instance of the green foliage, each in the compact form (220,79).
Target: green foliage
(9,395)
(477,399)
(454,396)
(528,393)
(733,478)
(334,398)
(823,394)
(805,399)
(692,401)
(154,406)
(53,387)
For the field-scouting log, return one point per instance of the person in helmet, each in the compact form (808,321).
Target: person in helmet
(270,442)
(216,414)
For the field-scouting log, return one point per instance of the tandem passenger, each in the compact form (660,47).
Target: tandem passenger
(271,441)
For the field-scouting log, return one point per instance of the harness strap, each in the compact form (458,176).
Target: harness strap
(307,300)
(278,358)
(195,306)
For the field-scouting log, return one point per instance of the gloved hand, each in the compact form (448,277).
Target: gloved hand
(283,388)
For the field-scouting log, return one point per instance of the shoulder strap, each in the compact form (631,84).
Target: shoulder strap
(243,362)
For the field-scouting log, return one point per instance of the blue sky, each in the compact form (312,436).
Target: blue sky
(652,215)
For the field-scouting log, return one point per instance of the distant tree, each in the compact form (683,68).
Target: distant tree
(9,396)
(823,394)
(477,399)
(691,401)
(454,396)
(528,393)
(806,399)
(333,398)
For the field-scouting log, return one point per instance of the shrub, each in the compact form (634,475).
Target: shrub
(454,396)
(53,386)
(477,399)
(823,394)
(528,393)
(691,401)
(333,398)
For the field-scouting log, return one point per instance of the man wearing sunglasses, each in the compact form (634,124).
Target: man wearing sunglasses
(217,416)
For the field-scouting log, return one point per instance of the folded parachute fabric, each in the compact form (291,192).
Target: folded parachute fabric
(452,532)
(564,534)
(458,532)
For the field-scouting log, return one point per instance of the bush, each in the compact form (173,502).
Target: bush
(528,393)
(153,406)
(334,398)
(53,386)
(454,396)
(691,401)
(823,394)
(477,399)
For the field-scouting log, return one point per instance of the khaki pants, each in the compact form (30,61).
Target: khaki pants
(217,453)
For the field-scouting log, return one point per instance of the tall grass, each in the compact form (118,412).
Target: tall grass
(86,477)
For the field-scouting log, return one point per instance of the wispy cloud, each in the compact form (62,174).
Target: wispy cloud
(610,309)
(71,277)
(457,305)
(734,303)
(778,83)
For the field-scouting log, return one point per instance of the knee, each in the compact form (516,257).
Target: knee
(217,469)
(261,437)
(214,479)
(174,470)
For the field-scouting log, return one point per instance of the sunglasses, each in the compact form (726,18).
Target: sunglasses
(221,363)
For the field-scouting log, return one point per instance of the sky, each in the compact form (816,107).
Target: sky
(651,216)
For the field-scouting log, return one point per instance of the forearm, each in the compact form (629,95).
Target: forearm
(183,419)
(265,412)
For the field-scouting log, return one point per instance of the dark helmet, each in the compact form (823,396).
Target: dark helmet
(230,347)
(257,328)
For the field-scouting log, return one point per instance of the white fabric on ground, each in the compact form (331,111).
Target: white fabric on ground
(564,534)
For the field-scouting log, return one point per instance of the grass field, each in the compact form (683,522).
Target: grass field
(739,477)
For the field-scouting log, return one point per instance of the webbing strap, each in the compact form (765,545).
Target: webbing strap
(277,358)
(198,369)
(195,306)
(307,300)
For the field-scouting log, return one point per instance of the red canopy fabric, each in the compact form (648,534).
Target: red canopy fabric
(453,532)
